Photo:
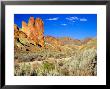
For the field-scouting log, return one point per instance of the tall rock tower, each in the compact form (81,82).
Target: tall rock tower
(34,30)
(39,26)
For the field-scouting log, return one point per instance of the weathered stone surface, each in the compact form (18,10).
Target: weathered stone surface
(19,38)
(25,28)
(34,30)
(18,33)
(39,26)
(24,25)
(16,27)
(31,22)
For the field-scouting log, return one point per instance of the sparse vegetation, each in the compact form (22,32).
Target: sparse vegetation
(79,63)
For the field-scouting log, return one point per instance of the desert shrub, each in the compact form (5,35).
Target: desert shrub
(28,56)
(39,55)
(24,70)
(82,63)
(48,66)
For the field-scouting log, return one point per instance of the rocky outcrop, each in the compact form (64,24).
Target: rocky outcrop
(34,30)
(39,26)
(16,27)
(31,22)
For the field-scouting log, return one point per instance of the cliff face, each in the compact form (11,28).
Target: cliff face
(34,30)
(39,26)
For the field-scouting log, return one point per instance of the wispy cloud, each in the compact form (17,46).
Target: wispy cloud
(72,18)
(56,18)
(83,19)
(64,24)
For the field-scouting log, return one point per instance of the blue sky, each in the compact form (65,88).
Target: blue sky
(77,26)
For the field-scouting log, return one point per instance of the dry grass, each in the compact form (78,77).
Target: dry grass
(81,63)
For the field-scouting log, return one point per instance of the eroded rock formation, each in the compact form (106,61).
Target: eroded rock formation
(39,26)
(34,30)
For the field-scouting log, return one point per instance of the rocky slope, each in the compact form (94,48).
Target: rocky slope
(67,40)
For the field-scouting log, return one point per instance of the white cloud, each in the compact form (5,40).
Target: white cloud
(56,18)
(64,24)
(72,18)
(83,19)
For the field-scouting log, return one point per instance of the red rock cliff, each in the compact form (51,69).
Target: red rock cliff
(34,30)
